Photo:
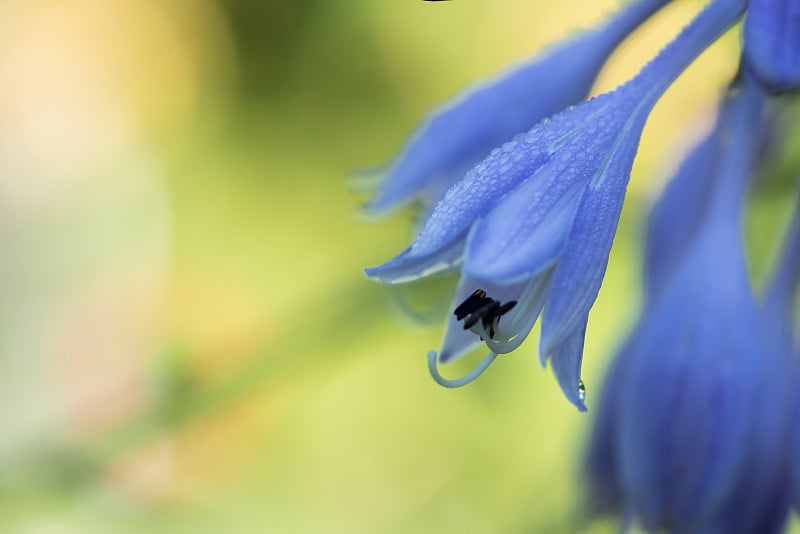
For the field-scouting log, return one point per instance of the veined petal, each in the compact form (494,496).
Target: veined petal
(760,499)
(566,360)
(583,262)
(772,43)
(505,168)
(690,403)
(674,219)
(457,135)
(686,410)
(526,230)
(407,266)
(523,234)
(480,190)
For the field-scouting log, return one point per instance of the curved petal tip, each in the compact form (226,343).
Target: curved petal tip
(407,266)
(566,360)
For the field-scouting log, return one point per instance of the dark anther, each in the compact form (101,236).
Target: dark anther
(479,307)
(486,309)
(470,304)
(505,308)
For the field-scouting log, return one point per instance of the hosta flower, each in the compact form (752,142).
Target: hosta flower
(671,226)
(759,498)
(533,223)
(693,434)
(753,496)
(459,134)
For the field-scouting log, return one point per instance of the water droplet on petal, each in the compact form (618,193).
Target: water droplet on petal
(581,391)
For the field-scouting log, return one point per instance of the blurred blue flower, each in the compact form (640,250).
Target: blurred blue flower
(692,430)
(759,500)
(772,43)
(780,299)
(459,134)
(533,223)
(671,226)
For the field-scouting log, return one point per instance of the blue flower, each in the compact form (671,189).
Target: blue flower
(753,494)
(671,226)
(772,43)
(459,134)
(533,223)
(693,431)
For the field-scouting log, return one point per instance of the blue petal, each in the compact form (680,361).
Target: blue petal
(583,262)
(683,436)
(408,266)
(480,190)
(525,231)
(760,500)
(603,490)
(795,447)
(674,219)
(457,135)
(588,127)
(772,43)
(690,405)
(566,360)
(687,198)
(522,235)
(687,407)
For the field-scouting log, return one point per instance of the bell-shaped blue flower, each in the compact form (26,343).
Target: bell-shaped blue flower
(459,134)
(772,43)
(660,452)
(536,219)
(671,226)
(699,411)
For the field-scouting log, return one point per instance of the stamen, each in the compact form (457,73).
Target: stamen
(482,313)
(463,381)
(486,310)
(470,304)
(505,308)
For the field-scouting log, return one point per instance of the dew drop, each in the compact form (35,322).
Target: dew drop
(581,391)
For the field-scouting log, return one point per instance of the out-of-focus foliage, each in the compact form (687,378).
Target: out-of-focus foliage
(187,342)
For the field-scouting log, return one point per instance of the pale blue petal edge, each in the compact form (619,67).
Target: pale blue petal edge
(460,133)
(566,361)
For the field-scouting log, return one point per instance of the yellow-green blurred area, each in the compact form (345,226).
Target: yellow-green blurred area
(187,341)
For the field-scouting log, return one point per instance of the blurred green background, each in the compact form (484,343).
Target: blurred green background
(187,341)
